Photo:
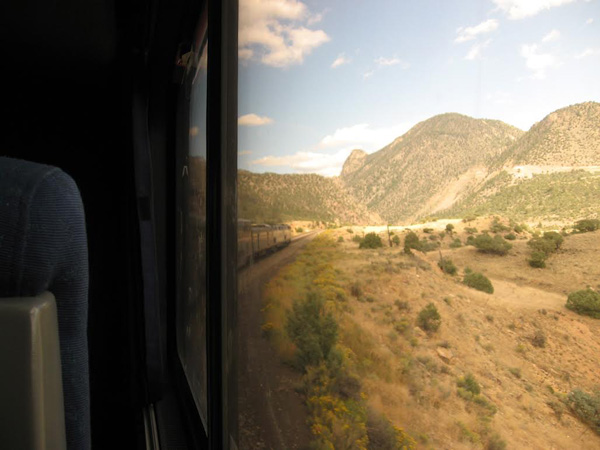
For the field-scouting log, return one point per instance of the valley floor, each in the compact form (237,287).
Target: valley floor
(488,336)
(410,376)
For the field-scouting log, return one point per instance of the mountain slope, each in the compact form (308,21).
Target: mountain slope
(558,196)
(400,179)
(271,197)
(552,172)
(567,137)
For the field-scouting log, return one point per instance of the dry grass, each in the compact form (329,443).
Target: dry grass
(415,388)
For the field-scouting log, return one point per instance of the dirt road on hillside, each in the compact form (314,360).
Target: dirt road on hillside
(526,297)
(512,294)
(272,415)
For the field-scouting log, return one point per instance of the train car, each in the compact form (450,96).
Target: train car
(287,233)
(244,242)
(262,239)
(281,235)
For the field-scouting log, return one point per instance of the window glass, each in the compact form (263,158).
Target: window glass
(419,214)
(191,310)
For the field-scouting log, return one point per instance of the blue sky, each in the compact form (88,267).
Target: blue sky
(320,78)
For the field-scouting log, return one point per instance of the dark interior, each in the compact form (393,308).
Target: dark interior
(78,75)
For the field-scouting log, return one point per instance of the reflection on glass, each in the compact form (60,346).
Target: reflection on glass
(438,167)
(191,311)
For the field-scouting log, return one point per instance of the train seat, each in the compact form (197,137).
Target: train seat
(43,250)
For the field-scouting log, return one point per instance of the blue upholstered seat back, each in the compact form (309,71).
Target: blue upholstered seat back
(43,246)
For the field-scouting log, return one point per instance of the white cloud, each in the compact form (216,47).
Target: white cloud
(589,21)
(476,50)
(335,148)
(244,153)
(308,162)
(537,62)
(470,33)
(245,53)
(340,60)
(383,62)
(552,36)
(316,18)
(274,32)
(588,52)
(364,136)
(253,120)
(520,9)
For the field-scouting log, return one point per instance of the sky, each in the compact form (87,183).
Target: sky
(318,79)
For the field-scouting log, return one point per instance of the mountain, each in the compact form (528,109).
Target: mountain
(567,137)
(354,162)
(436,162)
(448,165)
(552,172)
(274,198)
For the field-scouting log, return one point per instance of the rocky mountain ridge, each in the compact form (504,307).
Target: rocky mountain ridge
(448,164)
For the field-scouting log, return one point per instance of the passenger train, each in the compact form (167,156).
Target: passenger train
(255,240)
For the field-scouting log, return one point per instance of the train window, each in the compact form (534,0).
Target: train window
(418,224)
(191,302)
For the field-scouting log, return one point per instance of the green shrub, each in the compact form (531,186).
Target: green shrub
(383,435)
(545,246)
(312,330)
(518,229)
(478,281)
(470,240)
(495,443)
(299,230)
(555,238)
(402,305)
(586,407)
(396,240)
(537,260)
(356,289)
(539,339)
(426,246)
(429,318)
(456,243)
(510,237)
(585,302)
(350,230)
(340,239)
(447,266)
(586,225)
(427,230)
(469,384)
(371,240)
(449,228)
(347,385)
(497,227)
(471,230)
(411,241)
(496,245)
(357,239)
(468,435)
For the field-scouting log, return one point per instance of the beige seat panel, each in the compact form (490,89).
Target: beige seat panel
(31,395)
